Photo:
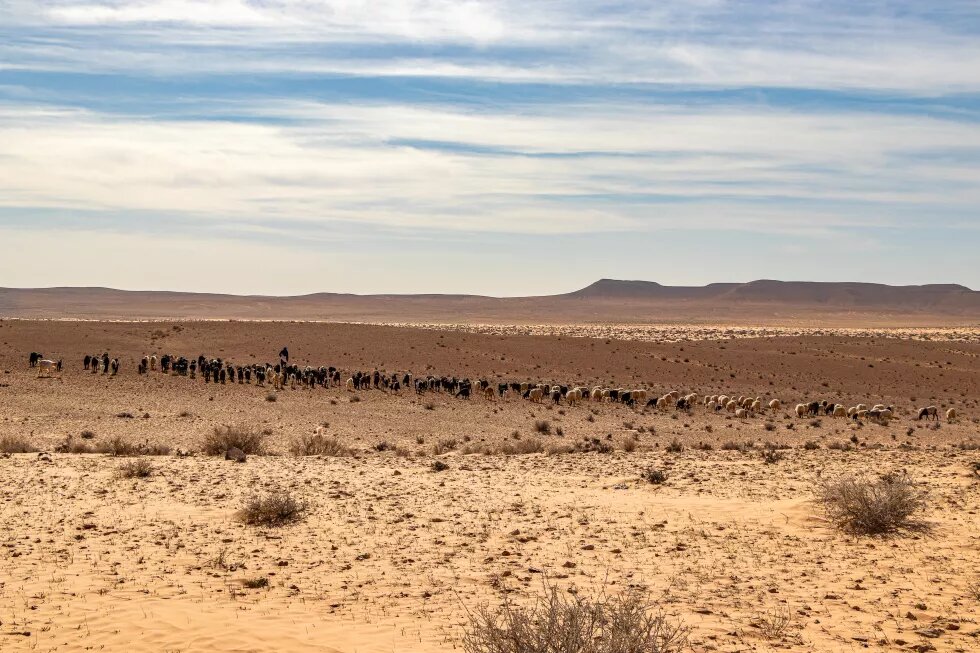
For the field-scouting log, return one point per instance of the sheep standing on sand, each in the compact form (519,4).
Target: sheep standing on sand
(950,414)
(47,367)
(802,410)
(929,411)
(775,405)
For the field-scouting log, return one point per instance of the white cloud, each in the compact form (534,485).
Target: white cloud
(769,171)
(893,46)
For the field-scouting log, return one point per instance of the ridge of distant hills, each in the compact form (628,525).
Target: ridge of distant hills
(607,300)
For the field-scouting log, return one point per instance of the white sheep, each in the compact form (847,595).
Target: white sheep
(950,414)
(774,405)
(801,410)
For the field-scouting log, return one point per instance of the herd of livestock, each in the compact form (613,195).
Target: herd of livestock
(284,375)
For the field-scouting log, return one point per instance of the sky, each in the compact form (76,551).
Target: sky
(505,148)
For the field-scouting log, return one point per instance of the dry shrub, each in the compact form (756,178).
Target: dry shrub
(675,446)
(973,590)
(319,445)
(731,445)
(542,426)
(772,456)
(655,476)
(811,445)
(138,468)
(520,447)
(629,622)
(223,438)
(840,446)
(444,445)
(259,582)
(593,445)
(277,508)
(118,447)
(16,444)
(873,507)
(774,624)
(629,445)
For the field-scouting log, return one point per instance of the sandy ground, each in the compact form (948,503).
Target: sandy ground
(392,553)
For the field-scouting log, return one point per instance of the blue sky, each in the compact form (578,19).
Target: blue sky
(507,148)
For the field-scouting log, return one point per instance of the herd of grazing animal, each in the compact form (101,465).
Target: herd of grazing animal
(283,375)
(101,363)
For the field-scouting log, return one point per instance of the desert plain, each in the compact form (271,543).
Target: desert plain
(437,505)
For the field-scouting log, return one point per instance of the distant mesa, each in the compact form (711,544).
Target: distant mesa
(764,301)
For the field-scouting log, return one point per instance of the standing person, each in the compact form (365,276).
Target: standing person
(284,356)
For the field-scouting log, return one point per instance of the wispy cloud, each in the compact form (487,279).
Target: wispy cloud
(312,120)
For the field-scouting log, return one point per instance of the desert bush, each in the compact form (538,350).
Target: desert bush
(319,445)
(259,582)
(655,476)
(125,415)
(384,445)
(704,446)
(675,446)
(542,426)
(87,435)
(731,445)
(16,444)
(117,446)
(521,447)
(629,445)
(593,445)
(973,590)
(430,406)
(772,456)
(628,622)
(775,623)
(354,399)
(810,445)
(138,468)
(444,445)
(277,508)
(815,423)
(439,466)
(241,436)
(889,504)
(769,426)
(272,397)
(840,446)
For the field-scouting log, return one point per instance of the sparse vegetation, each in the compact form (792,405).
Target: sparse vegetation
(444,445)
(631,621)
(277,508)
(521,447)
(241,436)
(675,446)
(319,445)
(16,444)
(138,468)
(259,582)
(772,456)
(811,445)
(655,476)
(889,504)
(542,426)
(774,624)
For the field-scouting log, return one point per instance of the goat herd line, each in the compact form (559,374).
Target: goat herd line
(283,375)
